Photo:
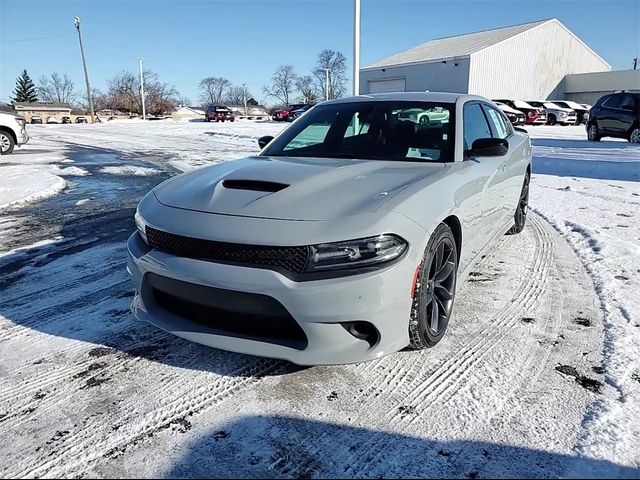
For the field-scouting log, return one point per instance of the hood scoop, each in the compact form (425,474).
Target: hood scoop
(254,185)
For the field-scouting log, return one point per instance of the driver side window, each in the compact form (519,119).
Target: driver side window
(475,124)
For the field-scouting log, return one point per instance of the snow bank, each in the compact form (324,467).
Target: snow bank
(590,192)
(21,184)
(129,170)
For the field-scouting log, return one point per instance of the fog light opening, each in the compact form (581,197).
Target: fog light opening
(363,331)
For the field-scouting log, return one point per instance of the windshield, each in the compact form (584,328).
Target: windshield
(409,131)
(551,105)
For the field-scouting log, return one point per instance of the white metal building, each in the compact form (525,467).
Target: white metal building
(521,61)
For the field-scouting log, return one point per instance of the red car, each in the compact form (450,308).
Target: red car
(282,114)
(532,115)
(219,113)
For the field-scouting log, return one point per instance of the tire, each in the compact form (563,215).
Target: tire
(6,143)
(551,120)
(593,134)
(520,216)
(434,290)
(207,119)
(634,135)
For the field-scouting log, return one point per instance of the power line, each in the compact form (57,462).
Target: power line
(35,38)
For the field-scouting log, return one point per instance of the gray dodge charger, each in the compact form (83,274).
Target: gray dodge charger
(343,239)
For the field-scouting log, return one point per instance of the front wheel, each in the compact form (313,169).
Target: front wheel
(6,143)
(520,217)
(551,120)
(434,290)
(634,136)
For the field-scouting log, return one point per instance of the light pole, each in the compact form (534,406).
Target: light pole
(144,111)
(244,97)
(356,48)
(76,22)
(327,86)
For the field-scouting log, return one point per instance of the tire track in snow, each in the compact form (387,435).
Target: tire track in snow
(440,386)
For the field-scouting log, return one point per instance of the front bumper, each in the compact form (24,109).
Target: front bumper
(320,307)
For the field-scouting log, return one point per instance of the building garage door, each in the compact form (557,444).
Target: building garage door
(383,86)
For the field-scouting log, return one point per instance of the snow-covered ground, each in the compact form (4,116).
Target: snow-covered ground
(539,374)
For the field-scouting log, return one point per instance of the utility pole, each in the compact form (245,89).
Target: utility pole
(326,84)
(356,48)
(76,22)
(244,97)
(144,111)
(635,63)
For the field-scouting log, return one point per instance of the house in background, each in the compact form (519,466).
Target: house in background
(188,113)
(44,109)
(521,61)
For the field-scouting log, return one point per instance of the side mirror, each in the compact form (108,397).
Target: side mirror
(263,141)
(488,147)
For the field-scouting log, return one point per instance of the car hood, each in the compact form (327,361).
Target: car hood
(291,188)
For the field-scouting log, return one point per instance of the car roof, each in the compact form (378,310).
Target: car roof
(441,97)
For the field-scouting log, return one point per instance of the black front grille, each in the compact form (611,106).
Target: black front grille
(292,259)
(237,314)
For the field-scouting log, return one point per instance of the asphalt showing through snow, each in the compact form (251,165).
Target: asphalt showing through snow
(85,390)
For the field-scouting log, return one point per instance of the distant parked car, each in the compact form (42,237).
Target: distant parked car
(582,113)
(219,113)
(81,120)
(425,117)
(36,119)
(295,113)
(13,131)
(516,117)
(282,114)
(66,119)
(53,120)
(555,113)
(532,115)
(615,115)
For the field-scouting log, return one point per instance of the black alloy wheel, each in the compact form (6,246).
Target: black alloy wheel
(434,290)
(520,217)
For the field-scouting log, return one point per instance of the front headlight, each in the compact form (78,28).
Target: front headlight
(141,226)
(563,114)
(359,253)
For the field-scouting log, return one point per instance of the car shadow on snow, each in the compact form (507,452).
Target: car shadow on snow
(604,160)
(284,447)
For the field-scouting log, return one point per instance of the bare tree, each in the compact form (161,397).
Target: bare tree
(283,84)
(54,88)
(212,90)
(184,101)
(124,93)
(236,95)
(307,91)
(336,62)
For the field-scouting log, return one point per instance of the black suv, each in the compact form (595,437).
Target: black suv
(615,115)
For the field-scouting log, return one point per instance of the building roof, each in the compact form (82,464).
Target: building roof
(458,46)
(184,110)
(41,106)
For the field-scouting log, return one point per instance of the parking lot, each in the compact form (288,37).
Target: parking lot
(537,376)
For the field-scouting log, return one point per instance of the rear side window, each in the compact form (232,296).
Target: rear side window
(628,102)
(475,125)
(497,122)
(613,101)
